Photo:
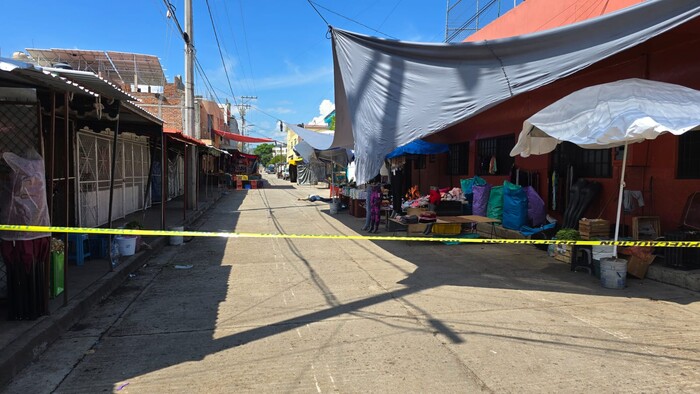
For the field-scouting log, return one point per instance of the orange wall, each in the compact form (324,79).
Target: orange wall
(537,15)
(671,57)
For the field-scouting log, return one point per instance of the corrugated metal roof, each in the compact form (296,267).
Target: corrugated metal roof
(135,108)
(29,74)
(93,82)
(119,67)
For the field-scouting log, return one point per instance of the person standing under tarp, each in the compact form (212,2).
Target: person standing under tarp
(374,207)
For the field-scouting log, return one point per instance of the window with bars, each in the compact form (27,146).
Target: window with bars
(493,155)
(587,163)
(458,159)
(688,158)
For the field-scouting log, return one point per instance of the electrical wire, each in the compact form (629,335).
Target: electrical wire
(235,47)
(208,83)
(350,19)
(171,10)
(245,40)
(389,14)
(311,3)
(221,54)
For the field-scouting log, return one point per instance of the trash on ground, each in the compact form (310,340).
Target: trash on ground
(183,267)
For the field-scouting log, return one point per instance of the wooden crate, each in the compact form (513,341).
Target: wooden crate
(646,227)
(594,228)
(563,253)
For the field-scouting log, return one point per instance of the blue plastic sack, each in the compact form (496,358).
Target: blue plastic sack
(514,206)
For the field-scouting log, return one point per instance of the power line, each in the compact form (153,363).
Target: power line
(171,13)
(221,54)
(350,19)
(311,3)
(388,15)
(235,46)
(208,83)
(245,40)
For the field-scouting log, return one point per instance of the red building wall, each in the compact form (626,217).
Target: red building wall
(672,57)
(537,15)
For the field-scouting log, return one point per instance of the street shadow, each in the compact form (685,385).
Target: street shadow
(177,324)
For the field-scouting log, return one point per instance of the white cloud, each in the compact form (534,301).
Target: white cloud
(324,109)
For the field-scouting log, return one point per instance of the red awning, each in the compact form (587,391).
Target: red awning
(241,138)
(247,156)
(177,134)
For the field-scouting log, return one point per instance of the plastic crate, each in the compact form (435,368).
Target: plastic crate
(682,258)
(99,246)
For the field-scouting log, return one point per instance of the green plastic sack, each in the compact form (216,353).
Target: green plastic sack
(468,184)
(495,207)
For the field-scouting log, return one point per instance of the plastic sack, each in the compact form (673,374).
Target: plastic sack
(468,184)
(24,197)
(481,199)
(495,204)
(514,206)
(536,211)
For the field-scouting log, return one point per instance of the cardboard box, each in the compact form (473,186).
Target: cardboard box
(415,211)
(638,266)
(417,228)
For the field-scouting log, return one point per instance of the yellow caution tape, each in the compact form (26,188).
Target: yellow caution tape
(221,234)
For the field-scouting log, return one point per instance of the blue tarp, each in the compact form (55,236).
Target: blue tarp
(418,147)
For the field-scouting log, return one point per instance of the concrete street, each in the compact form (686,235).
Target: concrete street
(317,316)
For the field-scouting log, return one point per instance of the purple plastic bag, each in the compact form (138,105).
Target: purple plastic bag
(536,213)
(481,199)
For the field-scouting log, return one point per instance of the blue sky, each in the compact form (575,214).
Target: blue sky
(276,50)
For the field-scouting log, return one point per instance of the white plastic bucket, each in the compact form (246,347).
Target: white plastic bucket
(335,205)
(127,245)
(176,239)
(613,273)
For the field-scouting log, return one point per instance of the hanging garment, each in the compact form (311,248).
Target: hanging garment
(629,197)
(493,167)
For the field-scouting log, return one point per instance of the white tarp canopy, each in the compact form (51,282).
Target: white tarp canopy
(389,93)
(609,115)
(612,114)
(320,140)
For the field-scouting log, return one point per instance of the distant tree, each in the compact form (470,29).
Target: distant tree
(332,125)
(264,152)
(278,159)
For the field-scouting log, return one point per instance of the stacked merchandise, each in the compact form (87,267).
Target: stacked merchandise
(515,206)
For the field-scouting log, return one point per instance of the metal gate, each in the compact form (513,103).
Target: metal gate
(94,174)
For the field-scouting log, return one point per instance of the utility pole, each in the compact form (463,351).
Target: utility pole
(189,124)
(242,109)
